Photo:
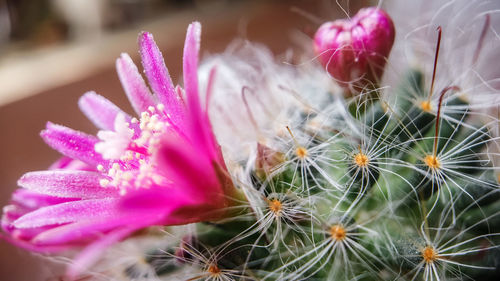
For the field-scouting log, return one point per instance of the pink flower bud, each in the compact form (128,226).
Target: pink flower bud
(354,50)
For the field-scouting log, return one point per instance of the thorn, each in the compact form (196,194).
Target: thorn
(481,38)
(436,56)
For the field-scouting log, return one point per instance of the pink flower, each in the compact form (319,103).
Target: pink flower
(164,168)
(354,51)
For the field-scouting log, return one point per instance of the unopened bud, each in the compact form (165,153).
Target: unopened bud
(354,51)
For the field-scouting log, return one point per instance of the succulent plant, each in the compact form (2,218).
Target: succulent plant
(284,174)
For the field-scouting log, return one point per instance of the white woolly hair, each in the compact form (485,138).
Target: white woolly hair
(470,45)
(255,97)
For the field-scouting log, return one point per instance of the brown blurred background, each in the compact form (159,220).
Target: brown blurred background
(52,51)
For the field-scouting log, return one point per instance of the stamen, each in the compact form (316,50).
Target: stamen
(132,167)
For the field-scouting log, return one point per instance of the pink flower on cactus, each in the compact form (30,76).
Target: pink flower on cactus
(354,51)
(164,168)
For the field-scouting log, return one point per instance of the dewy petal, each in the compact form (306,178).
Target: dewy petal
(190,67)
(199,127)
(64,183)
(68,212)
(34,200)
(184,205)
(73,144)
(67,163)
(99,110)
(188,168)
(159,78)
(96,226)
(30,247)
(137,92)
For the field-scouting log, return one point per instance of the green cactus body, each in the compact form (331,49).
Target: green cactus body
(371,201)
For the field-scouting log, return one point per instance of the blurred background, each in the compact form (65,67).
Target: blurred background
(53,51)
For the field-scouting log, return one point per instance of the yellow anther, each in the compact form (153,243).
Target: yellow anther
(103,182)
(100,168)
(338,232)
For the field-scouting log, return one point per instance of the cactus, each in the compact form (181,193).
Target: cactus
(384,181)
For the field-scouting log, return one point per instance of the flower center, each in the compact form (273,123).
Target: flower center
(133,166)
(432,162)
(429,254)
(338,232)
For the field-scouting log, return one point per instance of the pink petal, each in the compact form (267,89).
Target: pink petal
(183,206)
(68,212)
(137,92)
(92,252)
(70,164)
(179,161)
(73,144)
(99,110)
(95,226)
(159,78)
(190,67)
(34,200)
(30,247)
(199,126)
(66,183)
